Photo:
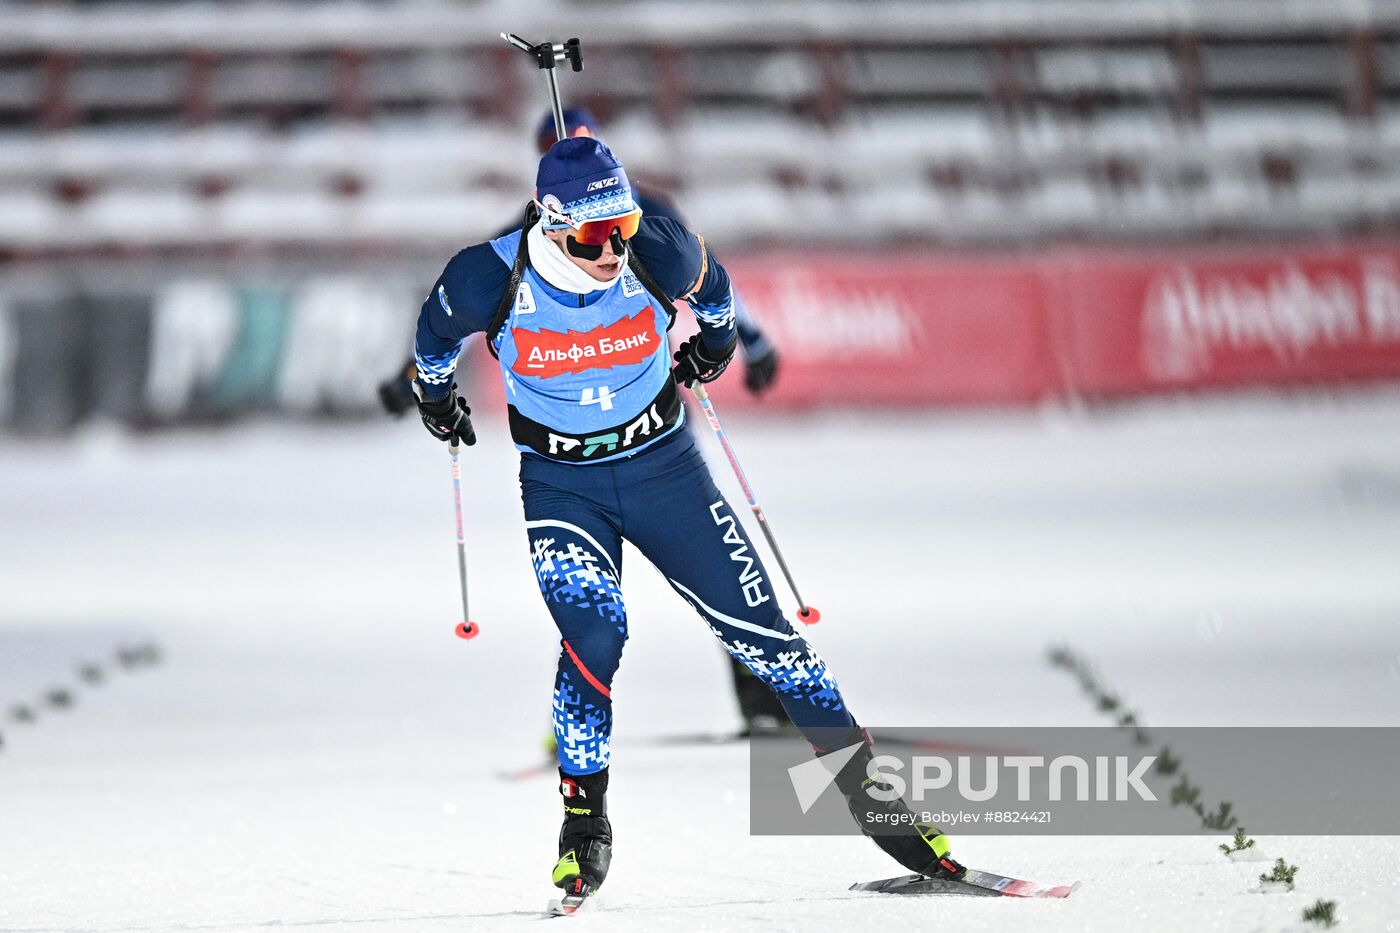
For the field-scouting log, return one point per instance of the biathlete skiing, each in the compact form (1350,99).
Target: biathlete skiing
(575,306)
(762,714)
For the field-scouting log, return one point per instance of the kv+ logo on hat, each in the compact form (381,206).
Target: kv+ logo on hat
(586,180)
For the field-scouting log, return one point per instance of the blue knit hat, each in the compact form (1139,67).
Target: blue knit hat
(581,177)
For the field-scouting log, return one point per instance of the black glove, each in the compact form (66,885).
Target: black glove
(446,417)
(759,372)
(694,362)
(396,392)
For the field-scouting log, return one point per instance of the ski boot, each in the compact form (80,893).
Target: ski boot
(919,847)
(585,839)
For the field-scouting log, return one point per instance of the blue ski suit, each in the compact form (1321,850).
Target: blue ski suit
(606,456)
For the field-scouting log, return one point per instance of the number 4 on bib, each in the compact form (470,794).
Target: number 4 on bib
(601,395)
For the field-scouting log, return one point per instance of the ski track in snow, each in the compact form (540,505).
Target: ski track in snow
(317,750)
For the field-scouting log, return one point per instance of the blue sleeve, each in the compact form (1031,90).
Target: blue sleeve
(462,302)
(685,269)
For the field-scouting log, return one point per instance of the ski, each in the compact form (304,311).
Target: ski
(572,901)
(975,884)
(566,906)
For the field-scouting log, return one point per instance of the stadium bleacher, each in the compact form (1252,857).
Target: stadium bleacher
(184,126)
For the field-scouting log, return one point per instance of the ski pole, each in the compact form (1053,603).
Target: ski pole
(807,614)
(466,628)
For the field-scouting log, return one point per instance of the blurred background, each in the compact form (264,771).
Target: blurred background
(926,203)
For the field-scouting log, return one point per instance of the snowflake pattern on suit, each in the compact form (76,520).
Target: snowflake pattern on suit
(574,576)
(581,728)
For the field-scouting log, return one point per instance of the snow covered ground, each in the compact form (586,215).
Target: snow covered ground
(316,748)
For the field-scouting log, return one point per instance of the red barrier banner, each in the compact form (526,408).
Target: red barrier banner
(856,330)
(1141,324)
(930,328)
